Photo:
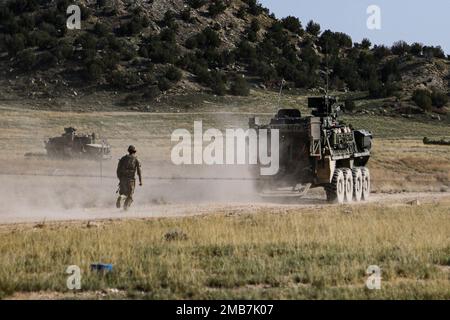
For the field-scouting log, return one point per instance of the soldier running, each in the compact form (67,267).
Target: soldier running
(126,172)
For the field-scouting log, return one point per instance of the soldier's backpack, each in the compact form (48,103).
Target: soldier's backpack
(127,167)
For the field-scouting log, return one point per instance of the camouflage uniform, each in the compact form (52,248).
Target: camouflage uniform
(128,166)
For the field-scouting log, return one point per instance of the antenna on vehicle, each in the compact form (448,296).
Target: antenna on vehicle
(102,150)
(283,82)
(327,75)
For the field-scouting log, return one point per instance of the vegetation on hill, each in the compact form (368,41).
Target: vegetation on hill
(219,46)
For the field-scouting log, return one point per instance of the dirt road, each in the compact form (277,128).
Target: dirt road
(28,199)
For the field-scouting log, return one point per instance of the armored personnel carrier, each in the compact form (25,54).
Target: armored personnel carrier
(72,145)
(319,151)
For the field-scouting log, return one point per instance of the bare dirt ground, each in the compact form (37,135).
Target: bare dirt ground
(189,209)
(28,198)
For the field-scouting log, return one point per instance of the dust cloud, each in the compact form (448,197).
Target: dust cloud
(43,189)
(37,191)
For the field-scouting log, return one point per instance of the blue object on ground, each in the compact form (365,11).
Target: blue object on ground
(101,267)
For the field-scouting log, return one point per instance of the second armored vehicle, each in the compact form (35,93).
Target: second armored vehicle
(73,145)
(319,151)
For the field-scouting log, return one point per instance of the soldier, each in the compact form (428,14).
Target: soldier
(126,172)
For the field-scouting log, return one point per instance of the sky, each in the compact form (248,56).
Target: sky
(421,21)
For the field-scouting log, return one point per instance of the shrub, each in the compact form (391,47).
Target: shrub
(85,12)
(16,43)
(134,26)
(143,52)
(381,52)
(239,86)
(263,70)
(252,36)
(131,99)
(217,85)
(47,27)
(376,89)
(121,79)
(439,98)
(20,6)
(46,60)
(127,53)
(94,71)
(216,7)
(255,25)
(245,51)
(27,21)
(292,24)
(64,50)
(173,74)
(162,52)
(349,105)
(203,75)
(390,71)
(186,15)
(435,52)
(416,49)
(400,48)
(26,60)
(167,35)
(100,29)
(208,38)
(62,5)
(344,40)
(87,41)
(164,84)
(423,99)
(213,58)
(309,56)
(196,4)
(5,13)
(169,20)
(111,59)
(366,44)
(101,3)
(241,13)
(252,32)
(151,92)
(313,28)
(328,42)
(254,8)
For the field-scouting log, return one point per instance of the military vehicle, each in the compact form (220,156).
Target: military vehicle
(73,145)
(318,151)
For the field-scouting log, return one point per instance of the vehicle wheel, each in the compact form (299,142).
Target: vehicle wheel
(348,177)
(357,184)
(365,184)
(336,190)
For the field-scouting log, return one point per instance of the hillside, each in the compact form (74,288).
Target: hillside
(137,53)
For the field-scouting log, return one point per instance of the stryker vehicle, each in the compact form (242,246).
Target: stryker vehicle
(318,151)
(72,145)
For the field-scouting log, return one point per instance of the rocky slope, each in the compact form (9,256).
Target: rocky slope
(137,51)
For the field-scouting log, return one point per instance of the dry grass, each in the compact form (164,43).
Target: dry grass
(409,165)
(294,255)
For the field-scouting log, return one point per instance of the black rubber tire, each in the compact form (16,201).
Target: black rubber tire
(366,185)
(336,189)
(349,190)
(357,184)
